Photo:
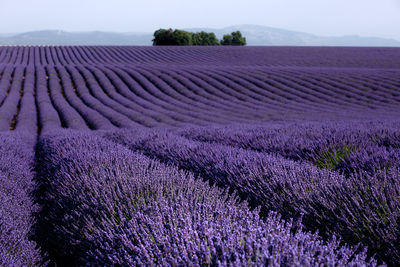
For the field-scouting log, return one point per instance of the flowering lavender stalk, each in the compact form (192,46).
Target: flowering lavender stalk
(346,147)
(16,203)
(105,205)
(330,202)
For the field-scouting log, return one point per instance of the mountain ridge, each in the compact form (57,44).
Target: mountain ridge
(256,35)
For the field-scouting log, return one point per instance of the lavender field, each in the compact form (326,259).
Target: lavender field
(199,156)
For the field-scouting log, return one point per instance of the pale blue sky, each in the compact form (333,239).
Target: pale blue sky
(380,18)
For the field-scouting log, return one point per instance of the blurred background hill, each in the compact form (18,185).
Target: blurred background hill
(256,35)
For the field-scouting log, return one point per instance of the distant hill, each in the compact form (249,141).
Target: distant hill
(255,35)
(262,35)
(56,37)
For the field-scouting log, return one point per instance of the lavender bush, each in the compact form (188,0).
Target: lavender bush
(16,203)
(346,147)
(105,205)
(280,133)
(330,202)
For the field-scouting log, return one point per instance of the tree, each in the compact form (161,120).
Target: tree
(169,37)
(204,38)
(235,38)
(226,39)
(163,37)
(180,37)
(238,39)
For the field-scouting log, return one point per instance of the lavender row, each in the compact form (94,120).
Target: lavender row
(82,97)
(198,88)
(82,89)
(258,93)
(105,205)
(156,95)
(316,95)
(318,92)
(123,89)
(177,111)
(346,147)
(337,83)
(138,87)
(16,202)
(9,107)
(93,118)
(360,208)
(240,92)
(172,92)
(49,118)
(109,97)
(6,78)
(95,88)
(256,56)
(26,119)
(69,116)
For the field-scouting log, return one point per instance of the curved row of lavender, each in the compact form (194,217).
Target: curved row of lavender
(251,121)
(349,57)
(354,195)
(17,205)
(345,147)
(105,205)
(107,97)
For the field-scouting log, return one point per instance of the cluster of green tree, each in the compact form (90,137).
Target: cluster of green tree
(235,38)
(180,37)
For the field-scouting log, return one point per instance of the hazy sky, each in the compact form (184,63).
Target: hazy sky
(379,18)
